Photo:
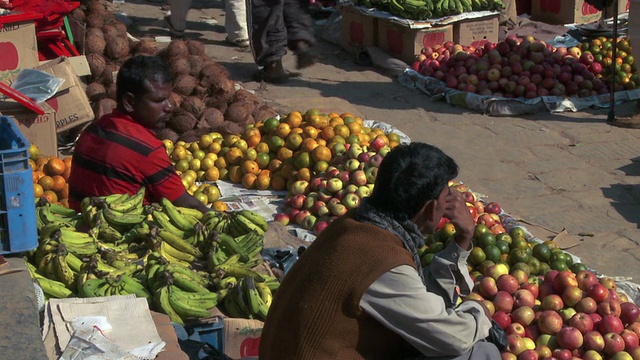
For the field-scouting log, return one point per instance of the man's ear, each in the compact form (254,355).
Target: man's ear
(428,211)
(129,102)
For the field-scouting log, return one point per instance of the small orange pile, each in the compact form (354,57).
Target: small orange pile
(50,175)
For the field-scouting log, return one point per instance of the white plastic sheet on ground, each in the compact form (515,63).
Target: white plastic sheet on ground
(500,106)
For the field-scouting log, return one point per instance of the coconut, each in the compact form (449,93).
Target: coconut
(263,113)
(145,47)
(104,107)
(217,102)
(109,30)
(95,91)
(193,105)
(97,63)
(167,134)
(212,71)
(195,64)
(117,47)
(111,91)
(107,76)
(239,112)
(95,6)
(180,66)
(120,26)
(195,47)
(230,128)
(176,48)
(94,32)
(244,95)
(213,117)
(203,131)
(95,20)
(94,44)
(200,91)
(189,136)
(184,84)
(120,61)
(181,121)
(175,100)
(78,15)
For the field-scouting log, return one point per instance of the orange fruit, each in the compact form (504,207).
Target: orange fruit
(58,183)
(342,130)
(320,166)
(234,156)
(41,162)
(235,174)
(32,165)
(263,181)
(51,196)
(287,170)
(284,154)
(354,127)
(34,177)
(294,119)
(278,182)
(274,165)
(250,167)
(336,121)
(46,182)
(219,206)
(215,147)
(310,132)
(327,133)
(248,180)
(67,169)
(64,193)
(37,190)
(293,141)
(212,174)
(252,136)
(283,130)
(39,174)
(309,144)
(34,152)
(312,112)
(262,147)
(64,202)
(321,153)
(304,174)
(316,121)
(221,163)
(263,160)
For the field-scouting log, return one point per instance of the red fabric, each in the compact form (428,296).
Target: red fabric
(116,155)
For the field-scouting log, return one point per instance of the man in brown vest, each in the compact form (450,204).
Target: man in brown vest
(359,290)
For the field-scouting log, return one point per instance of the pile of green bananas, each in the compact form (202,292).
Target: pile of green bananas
(432,9)
(182,261)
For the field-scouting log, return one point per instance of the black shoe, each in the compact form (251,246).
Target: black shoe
(274,73)
(305,59)
(174,32)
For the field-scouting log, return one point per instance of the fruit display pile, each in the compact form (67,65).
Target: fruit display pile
(550,306)
(273,154)
(431,9)
(182,261)
(204,96)
(528,68)
(50,176)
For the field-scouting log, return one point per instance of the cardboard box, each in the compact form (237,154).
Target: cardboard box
(476,32)
(405,43)
(623,7)
(38,129)
(19,48)
(70,102)
(242,337)
(564,12)
(358,30)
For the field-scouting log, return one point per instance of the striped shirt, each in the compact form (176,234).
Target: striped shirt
(116,155)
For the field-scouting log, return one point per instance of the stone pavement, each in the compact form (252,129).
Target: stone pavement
(553,171)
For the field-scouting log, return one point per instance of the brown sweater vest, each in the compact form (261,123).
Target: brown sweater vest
(316,312)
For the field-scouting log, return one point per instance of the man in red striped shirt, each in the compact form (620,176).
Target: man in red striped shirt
(119,153)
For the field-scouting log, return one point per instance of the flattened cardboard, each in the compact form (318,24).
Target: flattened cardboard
(358,30)
(38,129)
(405,43)
(19,48)
(564,12)
(476,32)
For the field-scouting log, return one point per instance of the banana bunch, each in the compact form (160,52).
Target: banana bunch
(245,221)
(60,265)
(51,214)
(431,9)
(103,267)
(216,221)
(248,299)
(225,249)
(51,288)
(111,285)
(76,242)
(170,246)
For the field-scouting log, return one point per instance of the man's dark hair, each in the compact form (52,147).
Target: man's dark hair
(138,69)
(409,176)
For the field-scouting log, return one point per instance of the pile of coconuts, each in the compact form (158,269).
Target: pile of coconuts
(204,97)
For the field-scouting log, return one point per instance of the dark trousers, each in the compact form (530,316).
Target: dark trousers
(275,25)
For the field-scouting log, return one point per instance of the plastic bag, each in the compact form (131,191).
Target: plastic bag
(497,336)
(37,85)
(282,258)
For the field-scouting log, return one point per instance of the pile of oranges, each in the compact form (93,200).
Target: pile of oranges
(50,175)
(272,154)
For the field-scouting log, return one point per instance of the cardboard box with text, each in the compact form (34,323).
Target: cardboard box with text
(18,48)
(405,43)
(242,337)
(358,30)
(564,12)
(38,129)
(476,32)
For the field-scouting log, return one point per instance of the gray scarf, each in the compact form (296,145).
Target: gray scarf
(407,231)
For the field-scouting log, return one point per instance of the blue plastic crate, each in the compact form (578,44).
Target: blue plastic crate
(18,230)
(210,332)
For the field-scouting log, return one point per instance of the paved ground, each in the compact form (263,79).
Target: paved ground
(565,171)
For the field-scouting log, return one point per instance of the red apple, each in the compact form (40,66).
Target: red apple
(610,324)
(571,295)
(598,292)
(630,339)
(552,302)
(533,288)
(503,301)
(523,315)
(529,354)
(487,287)
(564,279)
(502,318)
(586,305)
(515,328)
(515,344)
(507,283)
(524,297)
(593,340)
(582,322)
(591,355)
(609,307)
(570,338)
(550,322)
(586,279)
(562,354)
(635,327)
(613,343)
(493,208)
(609,283)
(629,312)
